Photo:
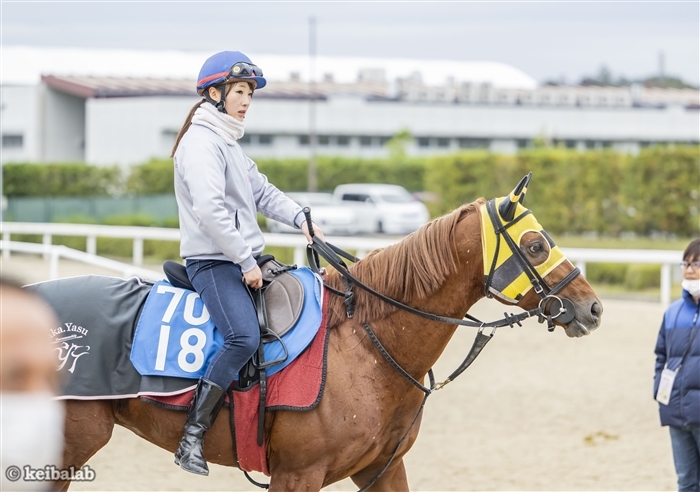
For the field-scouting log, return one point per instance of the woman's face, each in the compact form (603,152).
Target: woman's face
(238,98)
(690,272)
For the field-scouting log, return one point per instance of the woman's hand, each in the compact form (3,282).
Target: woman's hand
(254,278)
(317,232)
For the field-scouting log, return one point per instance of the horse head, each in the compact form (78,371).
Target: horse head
(523,266)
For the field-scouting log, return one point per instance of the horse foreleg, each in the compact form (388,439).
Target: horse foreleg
(394,478)
(88,427)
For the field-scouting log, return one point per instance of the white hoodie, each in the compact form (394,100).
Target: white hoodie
(219,191)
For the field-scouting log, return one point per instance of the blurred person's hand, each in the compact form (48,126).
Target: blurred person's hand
(32,420)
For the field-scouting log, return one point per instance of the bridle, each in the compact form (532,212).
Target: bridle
(561,308)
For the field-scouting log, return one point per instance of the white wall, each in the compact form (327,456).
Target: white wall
(133,130)
(20,116)
(63,126)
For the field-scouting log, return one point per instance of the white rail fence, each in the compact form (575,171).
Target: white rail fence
(667,259)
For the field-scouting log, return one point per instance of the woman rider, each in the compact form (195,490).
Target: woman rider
(219,192)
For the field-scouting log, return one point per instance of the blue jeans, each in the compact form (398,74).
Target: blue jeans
(685,442)
(222,289)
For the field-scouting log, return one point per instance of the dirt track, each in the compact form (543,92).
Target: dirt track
(536,411)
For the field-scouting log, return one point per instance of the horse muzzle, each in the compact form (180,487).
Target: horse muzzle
(587,319)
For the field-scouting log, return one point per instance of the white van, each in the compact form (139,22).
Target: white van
(383,208)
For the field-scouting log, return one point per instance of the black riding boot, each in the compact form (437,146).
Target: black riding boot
(208,399)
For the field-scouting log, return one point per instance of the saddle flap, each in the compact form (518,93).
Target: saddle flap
(284,299)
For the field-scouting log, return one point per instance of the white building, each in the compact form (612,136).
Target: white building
(83,107)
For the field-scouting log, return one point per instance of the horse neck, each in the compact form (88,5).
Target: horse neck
(416,342)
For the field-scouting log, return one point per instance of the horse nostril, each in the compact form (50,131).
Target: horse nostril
(596,309)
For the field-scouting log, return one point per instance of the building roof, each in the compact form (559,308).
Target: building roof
(26,64)
(102,87)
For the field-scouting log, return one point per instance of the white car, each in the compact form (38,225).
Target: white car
(383,208)
(331,216)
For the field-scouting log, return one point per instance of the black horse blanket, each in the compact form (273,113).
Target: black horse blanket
(98,315)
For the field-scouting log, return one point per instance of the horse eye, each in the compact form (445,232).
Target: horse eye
(535,248)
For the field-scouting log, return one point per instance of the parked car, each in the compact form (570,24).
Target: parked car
(331,216)
(383,208)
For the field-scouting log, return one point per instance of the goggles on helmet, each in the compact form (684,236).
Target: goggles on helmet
(244,69)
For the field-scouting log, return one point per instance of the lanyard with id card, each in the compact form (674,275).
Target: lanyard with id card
(663,396)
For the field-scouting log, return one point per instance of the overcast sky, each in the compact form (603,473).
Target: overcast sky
(547,40)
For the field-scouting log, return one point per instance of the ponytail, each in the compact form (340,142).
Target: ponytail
(186,125)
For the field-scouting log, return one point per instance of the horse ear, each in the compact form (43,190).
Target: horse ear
(507,207)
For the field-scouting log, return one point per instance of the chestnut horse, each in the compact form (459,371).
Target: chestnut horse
(367,406)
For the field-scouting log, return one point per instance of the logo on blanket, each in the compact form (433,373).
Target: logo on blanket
(65,337)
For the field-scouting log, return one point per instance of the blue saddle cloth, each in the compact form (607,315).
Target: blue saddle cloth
(176,337)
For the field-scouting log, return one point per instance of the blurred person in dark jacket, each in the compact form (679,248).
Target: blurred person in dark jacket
(677,378)
(31,422)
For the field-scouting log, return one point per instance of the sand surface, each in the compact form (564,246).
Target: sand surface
(536,411)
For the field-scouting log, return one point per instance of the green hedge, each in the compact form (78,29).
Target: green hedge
(65,179)
(573,192)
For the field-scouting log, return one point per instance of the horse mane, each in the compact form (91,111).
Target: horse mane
(412,269)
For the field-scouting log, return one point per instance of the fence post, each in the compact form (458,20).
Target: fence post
(581,266)
(91,245)
(46,241)
(299,257)
(138,251)
(53,263)
(665,285)
(6,245)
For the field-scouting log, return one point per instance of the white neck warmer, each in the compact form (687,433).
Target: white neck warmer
(226,126)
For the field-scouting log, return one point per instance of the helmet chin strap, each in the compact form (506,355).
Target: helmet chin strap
(222,102)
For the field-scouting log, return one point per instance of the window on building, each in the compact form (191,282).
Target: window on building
(265,139)
(443,142)
(383,140)
(472,143)
(245,139)
(303,140)
(12,141)
(342,140)
(324,140)
(423,141)
(365,141)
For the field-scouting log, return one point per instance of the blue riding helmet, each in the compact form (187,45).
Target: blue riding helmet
(226,65)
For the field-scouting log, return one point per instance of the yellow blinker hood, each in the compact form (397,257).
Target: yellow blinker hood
(509,281)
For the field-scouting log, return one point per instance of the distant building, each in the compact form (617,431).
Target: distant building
(112,119)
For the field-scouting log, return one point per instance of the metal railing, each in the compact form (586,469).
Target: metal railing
(361,245)
(55,252)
